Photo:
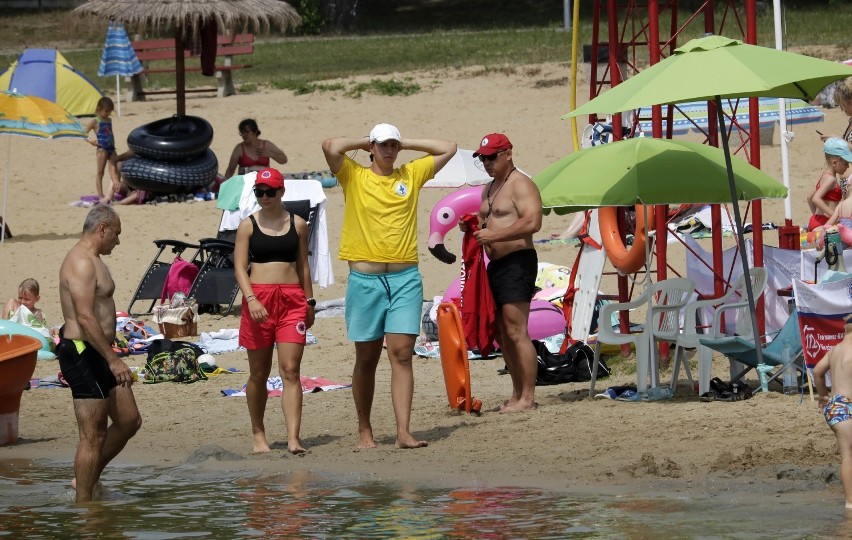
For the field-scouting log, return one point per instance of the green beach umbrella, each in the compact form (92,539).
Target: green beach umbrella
(649,171)
(714,67)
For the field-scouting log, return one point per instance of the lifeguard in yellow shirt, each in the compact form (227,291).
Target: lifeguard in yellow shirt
(384,295)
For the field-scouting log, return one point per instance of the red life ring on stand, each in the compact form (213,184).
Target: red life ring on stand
(626,260)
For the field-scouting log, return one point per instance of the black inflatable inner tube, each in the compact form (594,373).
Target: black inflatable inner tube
(171,139)
(175,177)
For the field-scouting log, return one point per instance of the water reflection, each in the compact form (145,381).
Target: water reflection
(186,502)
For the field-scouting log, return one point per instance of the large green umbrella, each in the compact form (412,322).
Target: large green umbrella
(649,171)
(714,67)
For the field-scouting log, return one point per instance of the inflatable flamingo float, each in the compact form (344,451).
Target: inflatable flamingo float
(545,318)
(445,217)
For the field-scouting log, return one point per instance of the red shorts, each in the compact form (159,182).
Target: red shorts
(287,309)
(816,221)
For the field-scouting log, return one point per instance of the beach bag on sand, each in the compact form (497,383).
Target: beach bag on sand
(179,279)
(173,362)
(575,365)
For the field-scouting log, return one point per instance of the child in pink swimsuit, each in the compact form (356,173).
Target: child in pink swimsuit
(837,156)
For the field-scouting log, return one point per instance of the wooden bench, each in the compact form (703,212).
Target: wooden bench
(154,53)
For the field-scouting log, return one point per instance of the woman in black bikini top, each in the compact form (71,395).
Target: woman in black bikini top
(278,308)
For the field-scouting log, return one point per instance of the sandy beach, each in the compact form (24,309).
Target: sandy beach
(771,440)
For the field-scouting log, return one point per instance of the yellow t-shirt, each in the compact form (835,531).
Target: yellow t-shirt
(380,217)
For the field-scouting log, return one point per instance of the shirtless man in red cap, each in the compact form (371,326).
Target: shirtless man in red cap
(509,215)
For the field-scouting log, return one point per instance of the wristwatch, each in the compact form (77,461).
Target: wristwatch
(311,302)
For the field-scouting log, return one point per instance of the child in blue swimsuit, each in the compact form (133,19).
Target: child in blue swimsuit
(838,409)
(101,125)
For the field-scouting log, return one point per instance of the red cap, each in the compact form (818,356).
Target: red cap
(270,177)
(493,143)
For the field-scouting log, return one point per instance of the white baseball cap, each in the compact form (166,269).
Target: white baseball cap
(384,132)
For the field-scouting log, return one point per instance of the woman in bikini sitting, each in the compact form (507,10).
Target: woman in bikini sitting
(253,153)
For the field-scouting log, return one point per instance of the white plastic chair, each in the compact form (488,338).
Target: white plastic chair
(667,300)
(610,336)
(689,338)
(664,300)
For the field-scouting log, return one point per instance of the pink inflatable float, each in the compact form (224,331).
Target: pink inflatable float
(816,237)
(545,319)
(845,234)
(445,217)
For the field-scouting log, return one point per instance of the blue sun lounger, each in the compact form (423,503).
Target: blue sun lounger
(744,350)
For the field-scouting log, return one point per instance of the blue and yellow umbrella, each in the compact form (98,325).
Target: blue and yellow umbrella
(32,116)
(36,117)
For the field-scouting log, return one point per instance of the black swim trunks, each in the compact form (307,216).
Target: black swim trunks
(86,371)
(512,277)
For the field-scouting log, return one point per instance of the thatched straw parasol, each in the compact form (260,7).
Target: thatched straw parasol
(188,16)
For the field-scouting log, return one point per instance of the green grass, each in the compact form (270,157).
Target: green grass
(528,34)
(299,62)
(390,87)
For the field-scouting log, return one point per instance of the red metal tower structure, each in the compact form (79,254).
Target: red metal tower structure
(639,33)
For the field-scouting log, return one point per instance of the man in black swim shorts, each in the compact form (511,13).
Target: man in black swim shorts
(509,215)
(100,381)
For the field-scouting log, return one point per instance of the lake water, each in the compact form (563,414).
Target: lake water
(192,502)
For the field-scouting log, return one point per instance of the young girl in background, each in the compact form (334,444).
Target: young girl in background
(101,125)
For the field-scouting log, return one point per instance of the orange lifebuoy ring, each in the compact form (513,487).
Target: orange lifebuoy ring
(454,359)
(626,260)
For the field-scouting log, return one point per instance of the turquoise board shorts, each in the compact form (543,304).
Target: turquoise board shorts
(379,304)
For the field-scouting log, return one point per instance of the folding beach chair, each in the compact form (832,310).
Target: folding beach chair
(151,285)
(744,351)
(303,209)
(216,283)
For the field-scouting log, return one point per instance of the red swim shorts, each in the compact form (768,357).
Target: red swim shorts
(287,310)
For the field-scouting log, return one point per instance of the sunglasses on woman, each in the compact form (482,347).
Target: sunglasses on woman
(269,192)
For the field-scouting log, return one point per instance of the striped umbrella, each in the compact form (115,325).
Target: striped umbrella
(118,58)
(32,116)
(692,116)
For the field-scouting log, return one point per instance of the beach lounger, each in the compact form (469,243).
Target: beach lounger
(151,285)
(303,209)
(743,350)
(216,283)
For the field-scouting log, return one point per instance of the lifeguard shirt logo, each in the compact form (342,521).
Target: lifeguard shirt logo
(400,189)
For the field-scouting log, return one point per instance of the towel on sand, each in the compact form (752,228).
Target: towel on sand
(274,386)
